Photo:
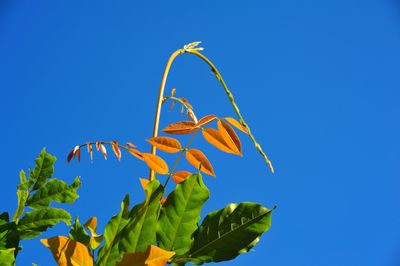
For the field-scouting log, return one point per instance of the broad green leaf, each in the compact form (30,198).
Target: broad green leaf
(7,257)
(78,233)
(140,231)
(43,170)
(8,233)
(33,223)
(109,253)
(54,190)
(226,233)
(181,213)
(22,195)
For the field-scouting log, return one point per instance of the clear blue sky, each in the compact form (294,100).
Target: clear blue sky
(318,81)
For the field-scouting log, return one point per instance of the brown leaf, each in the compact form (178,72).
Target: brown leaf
(68,252)
(172,105)
(173,91)
(116,150)
(237,124)
(77,151)
(136,153)
(214,137)
(155,163)
(153,256)
(103,151)
(187,103)
(98,144)
(205,120)
(180,176)
(90,150)
(70,155)
(196,158)
(166,144)
(230,137)
(184,127)
(130,144)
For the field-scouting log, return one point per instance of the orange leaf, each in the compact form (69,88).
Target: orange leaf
(184,127)
(155,163)
(199,160)
(215,138)
(91,224)
(187,103)
(166,144)
(144,182)
(68,252)
(103,151)
(237,124)
(98,145)
(180,176)
(163,200)
(230,137)
(205,120)
(173,91)
(130,144)
(116,150)
(90,150)
(136,153)
(153,256)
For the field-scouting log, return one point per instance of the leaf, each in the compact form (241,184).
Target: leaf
(103,151)
(78,233)
(109,253)
(173,91)
(214,137)
(144,182)
(229,232)
(95,239)
(205,120)
(36,222)
(130,144)
(155,163)
(9,237)
(98,143)
(136,153)
(166,144)
(230,137)
(153,256)
(236,124)
(90,150)
(67,252)
(22,195)
(116,150)
(54,190)
(181,213)
(184,127)
(7,257)
(180,176)
(43,170)
(196,158)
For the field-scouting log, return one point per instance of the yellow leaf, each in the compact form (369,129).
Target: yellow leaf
(91,224)
(153,256)
(95,239)
(166,144)
(68,252)
(116,150)
(103,151)
(144,182)
(180,176)
(155,163)
(237,124)
(205,120)
(230,137)
(184,127)
(136,153)
(215,138)
(196,158)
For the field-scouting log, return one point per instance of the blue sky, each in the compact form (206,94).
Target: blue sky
(318,82)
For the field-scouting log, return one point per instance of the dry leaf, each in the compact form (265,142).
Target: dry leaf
(184,127)
(180,176)
(70,155)
(230,137)
(172,105)
(116,150)
(103,151)
(173,91)
(237,124)
(214,137)
(136,153)
(90,150)
(186,103)
(130,144)
(196,158)
(166,144)
(205,120)
(155,163)
(98,145)
(153,256)
(68,252)
(77,151)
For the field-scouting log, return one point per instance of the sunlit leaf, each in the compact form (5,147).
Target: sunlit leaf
(166,144)
(116,150)
(215,138)
(91,224)
(103,151)
(136,153)
(144,182)
(130,144)
(95,239)
(196,158)
(76,152)
(155,163)
(173,91)
(230,137)
(180,176)
(205,120)
(43,170)
(153,256)
(68,252)
(7,257)
(236,124)
(184,127)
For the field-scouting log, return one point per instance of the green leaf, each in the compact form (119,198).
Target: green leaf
(226,233)
(78,233)
(43,170)
(54,190)
(33,223)
(8,233)
(7,257)
(22,195)
(109,253)
(140,231)
(181,213)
